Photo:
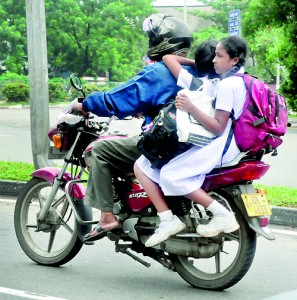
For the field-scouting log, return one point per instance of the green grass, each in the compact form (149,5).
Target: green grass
(293,115)
(277,195)
(280,195)
(16,171)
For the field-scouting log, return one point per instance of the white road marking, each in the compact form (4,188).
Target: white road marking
(27,295)
(8,200)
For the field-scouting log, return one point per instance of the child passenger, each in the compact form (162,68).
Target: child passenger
(185,174)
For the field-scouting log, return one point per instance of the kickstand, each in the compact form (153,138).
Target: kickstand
(124,249)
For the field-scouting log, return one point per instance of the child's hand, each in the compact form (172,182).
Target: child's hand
(183,102)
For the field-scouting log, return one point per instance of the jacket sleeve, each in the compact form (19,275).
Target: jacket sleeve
(153,86)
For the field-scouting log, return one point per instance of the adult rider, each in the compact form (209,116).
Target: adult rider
(146,93)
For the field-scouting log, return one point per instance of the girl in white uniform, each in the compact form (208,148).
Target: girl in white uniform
(185,174)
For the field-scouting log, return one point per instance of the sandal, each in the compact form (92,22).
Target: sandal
(98,233)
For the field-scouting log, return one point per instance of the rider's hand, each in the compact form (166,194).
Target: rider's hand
(138,115)
(78,107)
(183,102)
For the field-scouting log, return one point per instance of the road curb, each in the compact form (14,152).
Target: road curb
(284,216)
(10,188)
(280,215)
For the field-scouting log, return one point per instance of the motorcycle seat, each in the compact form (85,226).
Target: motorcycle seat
(235,161)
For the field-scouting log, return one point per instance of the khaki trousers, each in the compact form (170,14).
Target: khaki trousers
(109,156)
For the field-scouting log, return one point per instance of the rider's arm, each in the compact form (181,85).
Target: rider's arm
(174,63)
(153,86)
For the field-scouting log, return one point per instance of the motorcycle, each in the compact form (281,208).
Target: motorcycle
(51,218)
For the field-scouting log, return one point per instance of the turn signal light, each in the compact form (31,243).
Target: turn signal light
(58,141)
(262,192)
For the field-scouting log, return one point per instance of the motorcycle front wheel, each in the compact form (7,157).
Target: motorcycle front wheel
(227,266)
(54,243)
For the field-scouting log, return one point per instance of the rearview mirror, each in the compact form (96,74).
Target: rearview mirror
(76,82)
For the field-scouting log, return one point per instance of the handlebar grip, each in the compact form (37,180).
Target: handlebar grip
(76,112)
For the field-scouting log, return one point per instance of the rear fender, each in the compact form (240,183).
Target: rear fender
(85,212)
(253,222)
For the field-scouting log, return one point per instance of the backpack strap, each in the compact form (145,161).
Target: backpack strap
(195,84)
(230,134)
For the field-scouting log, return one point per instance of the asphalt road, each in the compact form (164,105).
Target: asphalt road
(15,141)
(97,272)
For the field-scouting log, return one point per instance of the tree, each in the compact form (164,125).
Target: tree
(282,15)
(218,13)
(89,37)
(13,45)
(271,31)
(97,36)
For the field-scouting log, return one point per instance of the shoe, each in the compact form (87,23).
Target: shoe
(165,230)
(98,233)
(217,225)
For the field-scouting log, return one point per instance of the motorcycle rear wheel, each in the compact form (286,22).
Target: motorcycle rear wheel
(221,271)
(54,246)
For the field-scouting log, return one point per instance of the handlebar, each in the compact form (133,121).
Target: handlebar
(76,112)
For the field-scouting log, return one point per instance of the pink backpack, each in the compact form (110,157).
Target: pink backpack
(264,118)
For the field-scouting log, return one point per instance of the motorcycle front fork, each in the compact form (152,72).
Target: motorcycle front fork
(57,183)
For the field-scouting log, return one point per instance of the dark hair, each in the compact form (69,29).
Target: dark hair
(204,55)
(235,47)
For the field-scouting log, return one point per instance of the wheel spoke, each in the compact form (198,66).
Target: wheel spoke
(67,227)
(231,237)
(31,226)
(55,241)
(218,262)
(39,199)
(51,241)
(59,201)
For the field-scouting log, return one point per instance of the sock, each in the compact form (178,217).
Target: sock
(166,216)
(218,209)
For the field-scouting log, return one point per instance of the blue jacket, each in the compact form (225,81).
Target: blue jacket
(145,93)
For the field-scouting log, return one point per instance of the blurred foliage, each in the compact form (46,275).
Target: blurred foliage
(90,37)
(105,38)
(14,89)
(271,31)
(15,92)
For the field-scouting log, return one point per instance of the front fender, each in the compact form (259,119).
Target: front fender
(50,173)
(78,192)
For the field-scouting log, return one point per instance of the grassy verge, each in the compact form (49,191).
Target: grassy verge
(277,195)
(18,171)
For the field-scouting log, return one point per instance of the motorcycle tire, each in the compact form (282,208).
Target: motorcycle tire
(216,274)
(55,244)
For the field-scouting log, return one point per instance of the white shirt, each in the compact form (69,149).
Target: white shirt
(209,85)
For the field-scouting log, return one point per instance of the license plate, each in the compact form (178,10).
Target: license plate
(256,205)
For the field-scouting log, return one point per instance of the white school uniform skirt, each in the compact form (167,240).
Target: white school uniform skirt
(186,172)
